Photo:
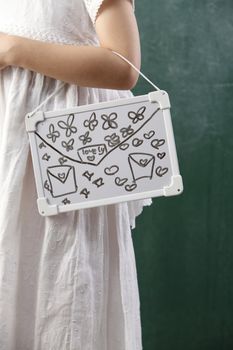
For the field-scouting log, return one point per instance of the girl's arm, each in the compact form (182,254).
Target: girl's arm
(116,28)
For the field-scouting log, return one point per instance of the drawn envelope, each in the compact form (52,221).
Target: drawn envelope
(141,165)
(62,180)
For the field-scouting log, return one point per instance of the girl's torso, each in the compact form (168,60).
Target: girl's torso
(63,21)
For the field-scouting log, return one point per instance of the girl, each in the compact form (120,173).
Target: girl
(66,281)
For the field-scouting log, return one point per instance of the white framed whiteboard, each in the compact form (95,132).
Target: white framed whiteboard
(104,153)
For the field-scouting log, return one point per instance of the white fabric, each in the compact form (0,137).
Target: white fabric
(67,281)
(93,7)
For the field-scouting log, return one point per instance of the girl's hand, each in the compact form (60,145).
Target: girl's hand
(7,45)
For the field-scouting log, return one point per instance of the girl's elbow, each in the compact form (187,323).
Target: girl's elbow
(130,79)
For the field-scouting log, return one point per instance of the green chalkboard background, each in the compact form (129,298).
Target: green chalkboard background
(184,244)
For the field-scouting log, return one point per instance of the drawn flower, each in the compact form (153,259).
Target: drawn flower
(85,138)
(127,131)
(68,125)
(136,116)
(109,122)
(92,122)
(112,140)
(68,145)
(52,133)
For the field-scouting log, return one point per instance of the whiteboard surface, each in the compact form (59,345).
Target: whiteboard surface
(104,153)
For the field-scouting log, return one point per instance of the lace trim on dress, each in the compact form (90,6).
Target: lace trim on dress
(93,7)
(48,35)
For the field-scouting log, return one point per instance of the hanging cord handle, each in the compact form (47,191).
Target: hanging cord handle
(63,83)
(143,75)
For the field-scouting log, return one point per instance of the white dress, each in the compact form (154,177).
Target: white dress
(67,281)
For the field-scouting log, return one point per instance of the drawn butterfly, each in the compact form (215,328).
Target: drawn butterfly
(68,145)
(92,122)
(85,138)
(68,125)
(127,131)
(52,133)
(136,116)
(109,121)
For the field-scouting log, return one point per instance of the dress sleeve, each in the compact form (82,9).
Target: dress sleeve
(93,7)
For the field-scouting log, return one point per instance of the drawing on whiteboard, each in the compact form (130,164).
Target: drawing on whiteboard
(113,140)
(149,135)
(124,146)
(85,192)
(161,155)
(88,175)
(141,165)
(137,142)
(41,145)
(91,158)
(68,125)
(98,182)
(127,131)
(131,187)
(85,138)
(46,157)
(137,116)
(68,145)
(53,134)
(161,171)
(46,186)
(109,121)
(62,180)
(95,153)
(62,160)
(92,154)
(112,170)
(91,123)
(119,181)
(156,143)
(66,201)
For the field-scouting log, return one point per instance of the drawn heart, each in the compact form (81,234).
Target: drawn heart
(161,171)
(136,142)
(91,158)
(62,160)
(143,162)
(130,187)
(119,181)
(61,175)
(156,143)
(149,134)
(161,155)
(111,170)
(124,146)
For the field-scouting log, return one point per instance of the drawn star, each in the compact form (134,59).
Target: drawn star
(98,182)
(46,185)
(66,201)
(41,145)
(46,157)
(88,175)
(85,192)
